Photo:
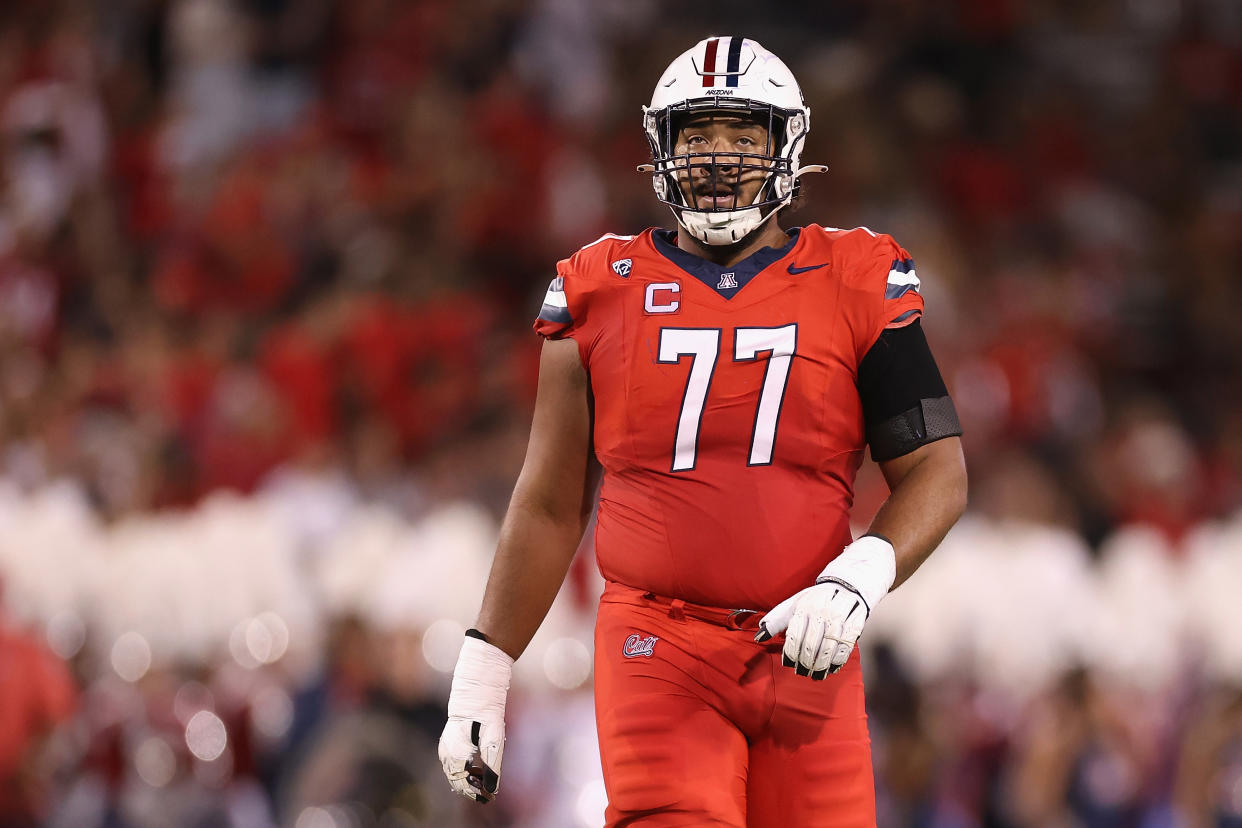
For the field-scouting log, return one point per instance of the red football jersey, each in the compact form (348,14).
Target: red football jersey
(727,414)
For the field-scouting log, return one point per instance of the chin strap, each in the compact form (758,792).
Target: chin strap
(726,227)
(722,228)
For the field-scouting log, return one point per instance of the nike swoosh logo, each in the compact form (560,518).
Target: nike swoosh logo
(796,270)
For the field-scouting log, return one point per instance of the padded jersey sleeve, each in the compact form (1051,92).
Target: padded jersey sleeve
(579,278)
(555,320)
(902,303)
(563,312)
(882,284)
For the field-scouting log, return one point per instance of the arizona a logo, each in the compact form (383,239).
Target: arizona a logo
(637,645)
(622,267)
(727,280)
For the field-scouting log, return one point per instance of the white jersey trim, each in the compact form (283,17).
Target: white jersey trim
(605,237)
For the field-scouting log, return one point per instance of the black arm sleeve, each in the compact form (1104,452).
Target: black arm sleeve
(905,403)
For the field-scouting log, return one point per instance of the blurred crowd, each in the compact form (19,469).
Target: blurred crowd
(267,272)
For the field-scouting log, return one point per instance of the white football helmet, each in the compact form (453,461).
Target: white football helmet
(732,76)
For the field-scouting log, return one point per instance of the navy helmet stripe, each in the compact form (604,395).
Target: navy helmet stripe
(735,59)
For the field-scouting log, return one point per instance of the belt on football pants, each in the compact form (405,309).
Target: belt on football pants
(679,610)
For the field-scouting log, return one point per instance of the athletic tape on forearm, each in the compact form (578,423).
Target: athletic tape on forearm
(869,564)
(480,680)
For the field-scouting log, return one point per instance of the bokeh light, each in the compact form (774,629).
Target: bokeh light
(317,817)
(567,663)
(191,697)
(155,762)
(591,803)
(206,735)
(66,634)
(131,656)
(441,644)
(266,637)
(271,713)
(239,645)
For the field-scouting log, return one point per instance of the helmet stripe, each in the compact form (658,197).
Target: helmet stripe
(735,60)
(709,63)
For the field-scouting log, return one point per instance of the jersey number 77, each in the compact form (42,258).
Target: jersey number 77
(702,345)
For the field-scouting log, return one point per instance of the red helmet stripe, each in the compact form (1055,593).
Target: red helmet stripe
(709,62)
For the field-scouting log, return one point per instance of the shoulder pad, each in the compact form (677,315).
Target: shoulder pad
(882,274)
(566,303)
(608,251)
(865,256)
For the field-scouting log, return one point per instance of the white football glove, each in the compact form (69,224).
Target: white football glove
(473,742)
(822,622)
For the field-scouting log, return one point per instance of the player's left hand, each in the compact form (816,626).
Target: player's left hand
(823,622)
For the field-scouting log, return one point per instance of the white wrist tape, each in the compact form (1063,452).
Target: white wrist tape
(869,565)
(480,681)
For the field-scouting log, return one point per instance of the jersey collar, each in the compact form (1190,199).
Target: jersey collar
(714,275)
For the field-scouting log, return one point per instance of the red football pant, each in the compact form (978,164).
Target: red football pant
(704,727)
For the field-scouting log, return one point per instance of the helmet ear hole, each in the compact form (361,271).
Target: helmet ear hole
(780,186)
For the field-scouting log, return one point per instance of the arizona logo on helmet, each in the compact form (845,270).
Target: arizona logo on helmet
(730,76)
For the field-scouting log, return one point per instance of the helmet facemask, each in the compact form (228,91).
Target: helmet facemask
(676,176)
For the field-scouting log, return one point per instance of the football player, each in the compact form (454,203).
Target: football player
(726,377)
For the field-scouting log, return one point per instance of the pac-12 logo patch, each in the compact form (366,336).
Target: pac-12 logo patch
(622,267)
(637,645)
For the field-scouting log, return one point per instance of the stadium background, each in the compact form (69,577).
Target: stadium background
(267,271)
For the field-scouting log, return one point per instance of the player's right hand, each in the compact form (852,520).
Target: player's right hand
(473,742)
